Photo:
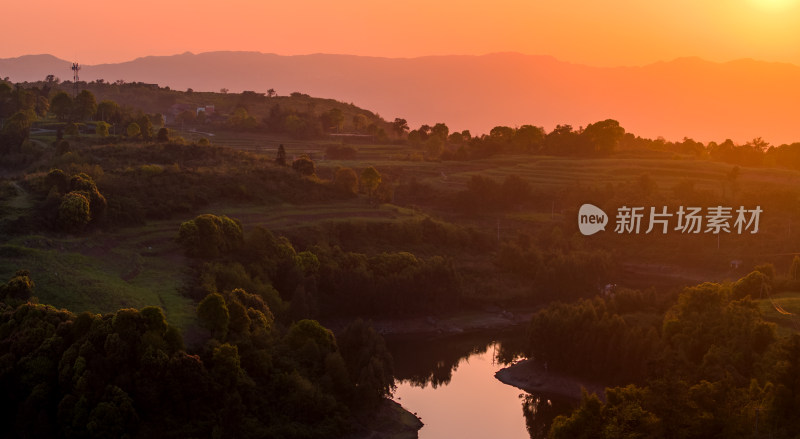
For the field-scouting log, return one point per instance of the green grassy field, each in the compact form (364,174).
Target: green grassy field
(101,273)
(286,216)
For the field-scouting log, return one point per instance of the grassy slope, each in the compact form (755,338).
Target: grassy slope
(102,272)
(105,263)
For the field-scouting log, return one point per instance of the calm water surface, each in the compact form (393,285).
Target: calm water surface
(449,383)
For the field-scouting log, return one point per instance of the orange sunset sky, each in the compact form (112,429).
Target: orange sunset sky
(599,33)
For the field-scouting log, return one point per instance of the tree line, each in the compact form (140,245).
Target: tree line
(322,280)
(702,365)
(128,373)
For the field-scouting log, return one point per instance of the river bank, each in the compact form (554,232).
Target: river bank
(532,377)
(460,322)
(394,421)
(389,421)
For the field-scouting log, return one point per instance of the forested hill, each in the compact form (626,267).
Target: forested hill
(298,114)
(686,97)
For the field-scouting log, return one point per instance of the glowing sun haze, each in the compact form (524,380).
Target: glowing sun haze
(600,33)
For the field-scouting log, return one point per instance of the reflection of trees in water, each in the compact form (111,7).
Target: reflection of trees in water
(539,412)
(432,362)
(425,362)
(510,349)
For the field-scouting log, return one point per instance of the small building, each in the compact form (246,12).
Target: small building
(208,110)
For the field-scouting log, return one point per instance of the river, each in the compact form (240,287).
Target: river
(449,383)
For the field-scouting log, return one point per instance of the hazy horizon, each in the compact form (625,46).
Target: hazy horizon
(647,53)
(440,55)
(607,34)
(687,97)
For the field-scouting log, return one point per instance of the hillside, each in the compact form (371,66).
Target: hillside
(686,97)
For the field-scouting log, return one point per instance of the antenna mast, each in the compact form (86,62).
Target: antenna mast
(75,68)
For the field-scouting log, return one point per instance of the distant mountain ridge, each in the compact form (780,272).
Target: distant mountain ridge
(690,97)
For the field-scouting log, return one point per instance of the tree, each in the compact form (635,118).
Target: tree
(185,117)
(414,138)
(145,126)
(310,344)
(7,105)
(42,105)
(332,120)
(212,314)
(368,362)
(163,135)
(84,106)
(101,129)
(108,111)
(360,122)
(604,136)
(15,131)
(209,236)
(83,184)
(280,157)
(455,138)
(434,147)
(502,134)
(295,125)
(399,126)
(74,212)
(57,178)
(585,422)
(133,130)
(528,138)
(20,287)
(563,140)
(370,178)
(304,166)
(242,120)
(271,93)
(346,180)
(61,105)
(515,190)
(441,131)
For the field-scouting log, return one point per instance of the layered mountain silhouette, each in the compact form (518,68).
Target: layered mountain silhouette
(687,97)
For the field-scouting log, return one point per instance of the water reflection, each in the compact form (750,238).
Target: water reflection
(449,382)
(539,412)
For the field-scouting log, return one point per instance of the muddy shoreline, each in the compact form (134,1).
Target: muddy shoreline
(532,377)
(389,421)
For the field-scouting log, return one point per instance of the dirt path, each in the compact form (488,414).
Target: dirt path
(19,204)
(22,200)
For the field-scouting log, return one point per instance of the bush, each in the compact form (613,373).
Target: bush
(74,212)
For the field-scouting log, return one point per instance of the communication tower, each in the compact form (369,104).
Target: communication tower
(75,69)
